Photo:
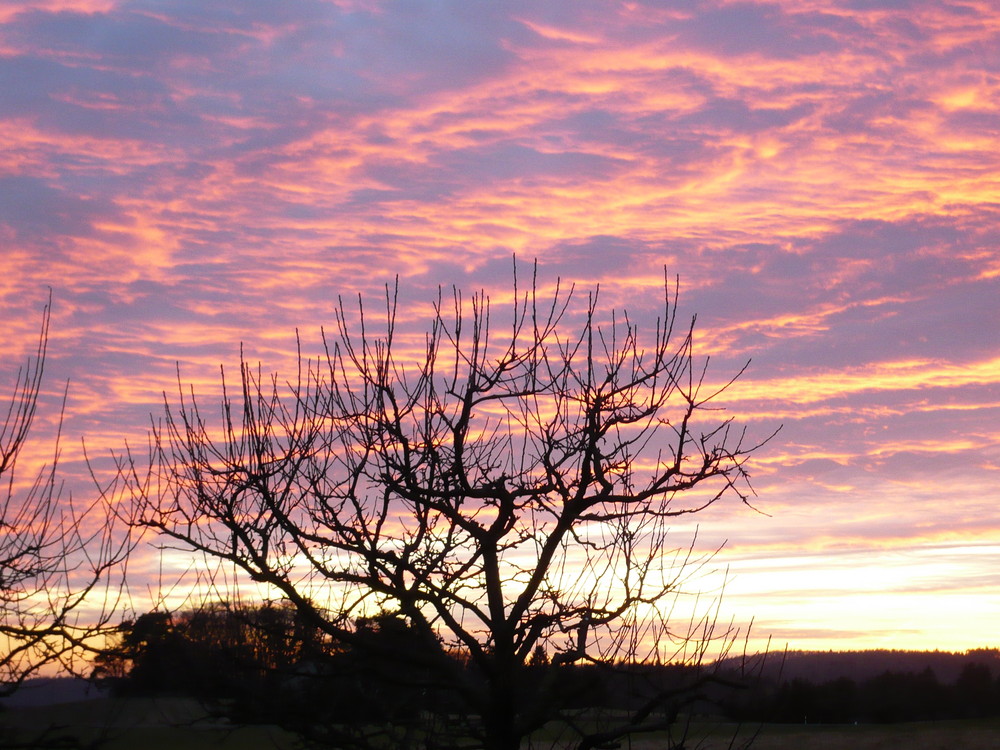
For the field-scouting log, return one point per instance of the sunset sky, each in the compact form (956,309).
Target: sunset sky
(824,178)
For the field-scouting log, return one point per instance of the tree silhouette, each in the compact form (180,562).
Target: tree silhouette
(495,490)
(975,695)
(217,652)
(55,555)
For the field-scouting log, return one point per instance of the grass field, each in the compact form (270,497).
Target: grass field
(932,735)
(172,724)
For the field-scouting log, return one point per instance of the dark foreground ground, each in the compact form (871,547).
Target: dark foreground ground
(944,735)
(177,724)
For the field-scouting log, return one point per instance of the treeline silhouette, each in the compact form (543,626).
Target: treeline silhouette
(873,687)
(262,664)
(826,666)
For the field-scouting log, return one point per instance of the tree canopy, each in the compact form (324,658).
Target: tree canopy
(57,597)
(499,487)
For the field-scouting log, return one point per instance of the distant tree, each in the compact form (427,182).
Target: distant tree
(494,491)
(903,696)
(795,702)
(150,656)
(539,657)
(216,651)
(975,694)
(840,701)
(55,553)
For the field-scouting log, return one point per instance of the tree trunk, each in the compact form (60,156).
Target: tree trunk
(499,719)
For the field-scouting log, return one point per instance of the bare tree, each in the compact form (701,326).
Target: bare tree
(505,494)
(55,555)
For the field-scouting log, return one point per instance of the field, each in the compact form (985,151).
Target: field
(943,735)
(181,725)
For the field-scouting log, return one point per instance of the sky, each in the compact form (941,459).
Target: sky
(823,178)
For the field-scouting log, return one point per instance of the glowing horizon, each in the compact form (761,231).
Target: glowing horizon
(823,178)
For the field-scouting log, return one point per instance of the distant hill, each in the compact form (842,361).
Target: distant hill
(48,691)
(824,666)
